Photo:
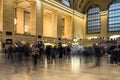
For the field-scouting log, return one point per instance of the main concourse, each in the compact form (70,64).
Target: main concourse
(59,39)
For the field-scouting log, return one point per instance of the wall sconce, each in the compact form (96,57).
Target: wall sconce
(15,21)
(26,28)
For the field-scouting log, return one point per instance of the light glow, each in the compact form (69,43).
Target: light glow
(15,21)
(114,37)
(93,37)
(26,28)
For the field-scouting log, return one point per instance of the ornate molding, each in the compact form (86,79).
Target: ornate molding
(102,13)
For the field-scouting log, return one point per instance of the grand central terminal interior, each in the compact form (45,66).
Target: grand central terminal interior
(51,21)
(84,33)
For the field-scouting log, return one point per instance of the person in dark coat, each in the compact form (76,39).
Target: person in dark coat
(10,53)
(98,56)
(48,53)
(54,53)
(60,52)
(68,52)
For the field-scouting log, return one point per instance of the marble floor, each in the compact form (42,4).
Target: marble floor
(73,69)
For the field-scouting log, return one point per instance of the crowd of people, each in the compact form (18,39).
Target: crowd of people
(19,53)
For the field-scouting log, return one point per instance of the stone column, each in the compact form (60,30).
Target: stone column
(1,14)
(8,18)
(37,17)
(33,18)
(59,25)
(84,27)
(104,24)
(54,24)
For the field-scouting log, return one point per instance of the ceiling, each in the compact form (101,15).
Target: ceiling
(83,5)
(79,5)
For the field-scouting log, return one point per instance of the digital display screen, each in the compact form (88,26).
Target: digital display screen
(8,41)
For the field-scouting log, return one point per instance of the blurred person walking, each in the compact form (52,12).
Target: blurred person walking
(10,54)
(27,56)
(35,55)
(98,56)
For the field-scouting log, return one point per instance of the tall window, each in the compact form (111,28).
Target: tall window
(114,16)
(66,2)
(93,20)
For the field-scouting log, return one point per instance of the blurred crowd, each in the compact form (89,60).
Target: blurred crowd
(25,53)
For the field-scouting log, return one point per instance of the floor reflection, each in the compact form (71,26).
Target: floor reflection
(75,64)
(74,68)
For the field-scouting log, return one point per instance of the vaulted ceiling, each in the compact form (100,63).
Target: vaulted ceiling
(83,5)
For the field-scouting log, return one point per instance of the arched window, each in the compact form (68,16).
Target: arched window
(114,16)
(93,20)
(66,2)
